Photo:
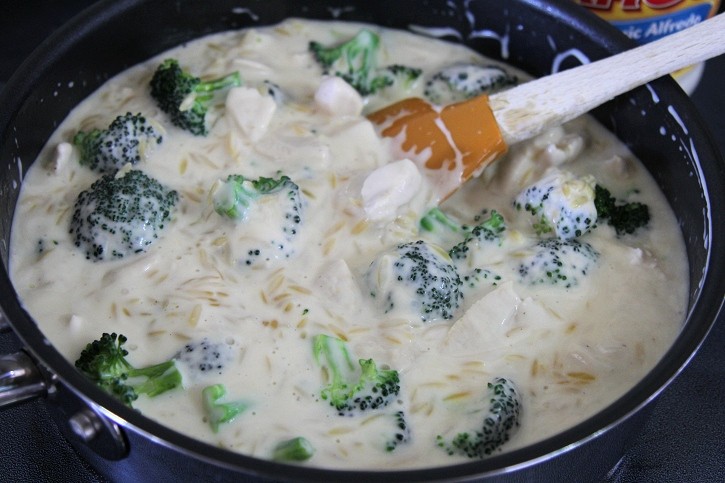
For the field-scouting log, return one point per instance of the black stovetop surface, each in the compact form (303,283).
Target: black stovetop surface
(683,440)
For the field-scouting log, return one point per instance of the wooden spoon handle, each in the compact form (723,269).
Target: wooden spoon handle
(531,108)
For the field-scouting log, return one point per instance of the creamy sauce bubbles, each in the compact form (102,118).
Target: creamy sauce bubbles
(570,351)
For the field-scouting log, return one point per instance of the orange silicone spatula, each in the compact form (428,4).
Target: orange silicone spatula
(458,141)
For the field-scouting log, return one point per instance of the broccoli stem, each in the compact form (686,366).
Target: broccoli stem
(295,449)
(435,216)
(219,413)
(159,378)
(332,354)
(204,91)
(230,80)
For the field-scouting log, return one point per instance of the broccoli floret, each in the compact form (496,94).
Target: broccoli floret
(205,357)
(402,432)
(560,203)
(625,218)
(488,231)
(416,276)
(464,236)
(128,139)
(293,450)
(185,98)
(355,61)
(478,275)
(120,215)
(104,362)
(218,413)
(445,227)
(401,77)
(332,354)
(500,419)
(271,209)
(557,262)
(376,388)
(237,194)
(464,81)
(352,389)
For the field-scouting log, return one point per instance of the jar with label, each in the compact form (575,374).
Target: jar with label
(648,20)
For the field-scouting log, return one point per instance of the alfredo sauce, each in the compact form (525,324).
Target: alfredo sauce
(571,349)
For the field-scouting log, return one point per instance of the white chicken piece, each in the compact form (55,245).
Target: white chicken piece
(500,321)
(336,97)
(390,187)
(337,286)
(61,157)
(485,324)
(250,111)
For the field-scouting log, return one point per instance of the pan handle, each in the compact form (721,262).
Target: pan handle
(20,379)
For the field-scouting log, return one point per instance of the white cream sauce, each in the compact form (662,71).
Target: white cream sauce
(570,351)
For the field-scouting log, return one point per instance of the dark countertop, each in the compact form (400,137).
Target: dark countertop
(683,440)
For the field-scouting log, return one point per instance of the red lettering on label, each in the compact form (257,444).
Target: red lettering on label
(607,4)
(658,4)
(629,5)
(598,4)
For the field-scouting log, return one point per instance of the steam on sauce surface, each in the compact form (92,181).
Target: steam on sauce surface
(571,343)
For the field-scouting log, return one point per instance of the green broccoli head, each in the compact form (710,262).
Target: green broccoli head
(561,204)
(271,210)
(186,98)
(234,196)
(416,277)
(202,358)
(557,262)
(477,276)
(355,61)
(501,410)
(476,241)
(120,215)
(353,389)
(376,387)
(104,362)
(625,218)
(128,139)
(402,78)
(464,81)
(401,435)
(488,231)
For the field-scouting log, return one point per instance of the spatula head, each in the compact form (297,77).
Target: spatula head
(453,143)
